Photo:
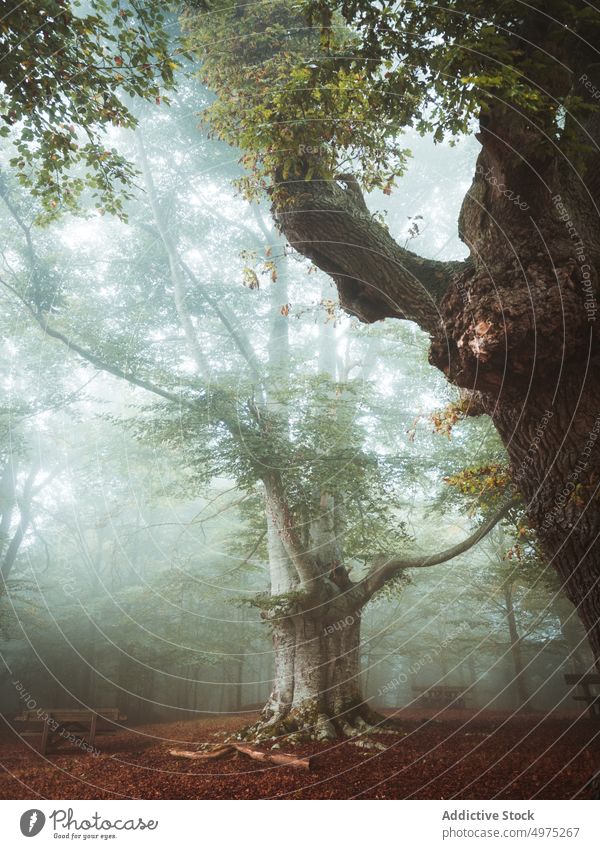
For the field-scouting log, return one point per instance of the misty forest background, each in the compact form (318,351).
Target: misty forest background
(133,533)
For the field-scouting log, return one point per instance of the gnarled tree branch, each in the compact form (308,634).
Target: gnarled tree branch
(376,278)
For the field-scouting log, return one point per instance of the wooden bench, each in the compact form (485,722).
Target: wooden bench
(584,686)
(439,695)
(62,725)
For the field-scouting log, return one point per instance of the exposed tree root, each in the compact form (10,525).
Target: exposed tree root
(312,723)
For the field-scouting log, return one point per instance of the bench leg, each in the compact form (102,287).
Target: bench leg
(93,724)
(44,743)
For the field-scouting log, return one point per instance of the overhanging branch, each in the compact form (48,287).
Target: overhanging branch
(384,569)
(376,278)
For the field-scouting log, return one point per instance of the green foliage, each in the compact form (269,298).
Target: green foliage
(487,487)
(308,90)
(273,606)
(392,589)
(317,442)
(68,71)
(289,97)
(489,482)
(439,66)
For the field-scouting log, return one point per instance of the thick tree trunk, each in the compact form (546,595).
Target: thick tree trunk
(316,692)
(514,325)
(316,635)
(280,701)
(519,327)
(556,465)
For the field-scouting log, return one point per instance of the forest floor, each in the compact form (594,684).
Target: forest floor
(451,755)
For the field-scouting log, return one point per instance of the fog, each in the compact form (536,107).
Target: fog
(154,368)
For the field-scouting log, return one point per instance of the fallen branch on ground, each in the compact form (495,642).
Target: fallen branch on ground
(281,759)
(211,755)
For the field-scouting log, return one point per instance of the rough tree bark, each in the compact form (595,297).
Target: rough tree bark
(514,325)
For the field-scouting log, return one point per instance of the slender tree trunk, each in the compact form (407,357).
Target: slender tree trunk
(88,683)
(8,500)
(24,503)
(578,657)
(239,688)
(515,648)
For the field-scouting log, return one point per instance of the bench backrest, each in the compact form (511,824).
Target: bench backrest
(67,715)
(574,678)
(438,689)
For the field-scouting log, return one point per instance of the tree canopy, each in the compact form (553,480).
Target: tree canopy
(68,72)
(319,88)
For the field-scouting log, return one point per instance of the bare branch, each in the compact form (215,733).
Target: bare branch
(176,265)
(179,295)
(92,358)
(384,569)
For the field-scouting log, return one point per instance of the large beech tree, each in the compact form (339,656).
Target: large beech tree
(294,418)
(317,94)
